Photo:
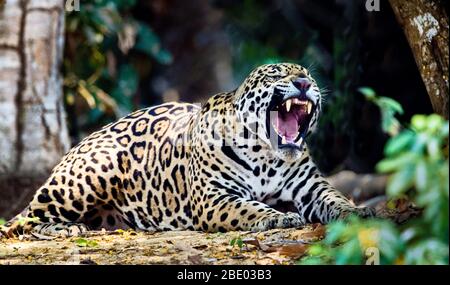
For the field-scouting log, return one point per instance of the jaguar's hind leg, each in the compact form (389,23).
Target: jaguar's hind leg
(43,230)
(105,217)
(59,230)
(3,231)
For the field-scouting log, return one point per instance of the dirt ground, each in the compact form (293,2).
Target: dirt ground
(280,246)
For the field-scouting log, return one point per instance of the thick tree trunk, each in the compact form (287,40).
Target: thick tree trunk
(33,132)
(425,24)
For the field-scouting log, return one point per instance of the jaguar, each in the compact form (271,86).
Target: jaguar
(228,164)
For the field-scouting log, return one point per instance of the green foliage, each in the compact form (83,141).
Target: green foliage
(2,221)
(350,241)
(105,48)
(237,241)
(388,107)
(148,42)
(417,161)
(81,242)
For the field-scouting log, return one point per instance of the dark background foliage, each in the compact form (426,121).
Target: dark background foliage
(122,55)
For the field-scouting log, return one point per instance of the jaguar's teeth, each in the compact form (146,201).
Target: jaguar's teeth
(288,105)
(300,141)
(283,140)
(309,107)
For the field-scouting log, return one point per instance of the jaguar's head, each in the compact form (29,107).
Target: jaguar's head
(280,105)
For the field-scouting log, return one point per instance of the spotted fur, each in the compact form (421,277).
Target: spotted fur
(180,166)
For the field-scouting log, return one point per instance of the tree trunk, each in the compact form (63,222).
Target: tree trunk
(425,24)
(33,132)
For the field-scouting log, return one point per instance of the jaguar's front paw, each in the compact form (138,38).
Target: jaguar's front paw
(283,220)
(59,230)
(366,212)
(363,212)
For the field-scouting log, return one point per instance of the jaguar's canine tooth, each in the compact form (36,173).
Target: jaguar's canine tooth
(309,107)
(283,140)
(288,105)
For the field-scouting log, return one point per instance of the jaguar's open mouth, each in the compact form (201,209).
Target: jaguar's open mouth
(290,120)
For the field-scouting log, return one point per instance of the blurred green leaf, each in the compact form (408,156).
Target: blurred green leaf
(395,163)
(149,43)
(390,243)
(96,38)
(418,165)
(430,251)
(311,260)
(315,249)
(335,232)
(368,92)
(389,108)
(401,181)
(391,105)
(434,148)
(349,253)
(107,20)
(399,143)
(421,175)
(419,122)
(434,123)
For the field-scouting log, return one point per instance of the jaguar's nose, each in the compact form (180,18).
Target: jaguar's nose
(302,83)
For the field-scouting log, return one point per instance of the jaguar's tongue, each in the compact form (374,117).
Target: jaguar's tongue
(292,117)
(287,126)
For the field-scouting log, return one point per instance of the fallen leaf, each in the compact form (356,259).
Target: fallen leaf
(307,235)
(294,251)
(255,242)
(318,232)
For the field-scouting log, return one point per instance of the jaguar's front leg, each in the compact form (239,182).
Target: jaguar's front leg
(318,201)
(221,211)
